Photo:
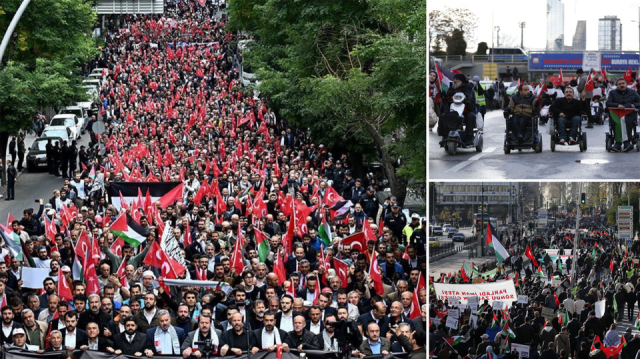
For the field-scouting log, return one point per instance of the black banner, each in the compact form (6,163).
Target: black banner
(90,354)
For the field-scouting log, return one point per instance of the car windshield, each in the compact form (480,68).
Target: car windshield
(77,112)
(40,145)
(67,122)
(55,133)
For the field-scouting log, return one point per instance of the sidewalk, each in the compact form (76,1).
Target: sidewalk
(453,262)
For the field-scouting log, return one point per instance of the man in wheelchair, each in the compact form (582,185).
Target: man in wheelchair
(622,98)
(460,84)
(567,110)
(523,105)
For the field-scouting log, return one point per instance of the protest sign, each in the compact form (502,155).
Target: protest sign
(474,321)
(521,349)
(547,312)
(453,313)
(599,306)
(452,323)
(498,305)
(472,299)
(34,277)
(454,301)
(523,299)
(491,292)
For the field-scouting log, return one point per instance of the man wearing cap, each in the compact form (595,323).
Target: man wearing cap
(396,220)
(461,85)
(409,228)
(369,202)
(19,340)
(482,347)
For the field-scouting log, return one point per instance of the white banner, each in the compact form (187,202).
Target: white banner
(600,307)
(591,59)
(521,349)
(554,252)
(171,247)
(505,292)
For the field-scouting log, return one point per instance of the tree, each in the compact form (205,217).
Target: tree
(347,71)
(482,48)
(456,44)
(442,24)
(43,58)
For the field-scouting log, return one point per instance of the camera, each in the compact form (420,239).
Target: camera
(207,347)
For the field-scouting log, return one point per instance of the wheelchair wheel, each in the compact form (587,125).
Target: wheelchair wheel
(538,147)
(553,143)
(507,150)
(479,146)
(584,140)
(451,148)
(607,144)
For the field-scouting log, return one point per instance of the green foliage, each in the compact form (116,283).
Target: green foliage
(456,44)
(482,48)
(612,213)
(352,72)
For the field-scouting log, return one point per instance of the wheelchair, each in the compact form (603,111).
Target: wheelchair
(610,135)
(451,128)
(597,110)
(581,139)
(532,137)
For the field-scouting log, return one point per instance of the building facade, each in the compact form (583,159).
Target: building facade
(610,33)
(580,37)
(555,25)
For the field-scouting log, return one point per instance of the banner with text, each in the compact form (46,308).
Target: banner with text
(504,292)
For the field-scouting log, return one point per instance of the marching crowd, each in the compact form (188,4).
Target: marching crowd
(584,319)
(280,247)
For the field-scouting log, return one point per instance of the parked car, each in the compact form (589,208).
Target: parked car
(37,155)
(81,114)
(458,237)
(437,231)
(451,232)
(434,242)
(67,123)
(446,227)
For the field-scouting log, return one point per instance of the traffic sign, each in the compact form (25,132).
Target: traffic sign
(625,221)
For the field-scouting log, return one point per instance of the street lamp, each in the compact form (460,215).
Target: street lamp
(522,26)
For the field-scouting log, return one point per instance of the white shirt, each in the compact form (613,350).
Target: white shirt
(93,346)
(286,323)
(7,331)
(130,337)
(70,340)
(42,263)
(578,306)
(165,343)
(314,328)
(148,316)
(268,339)
(568,303)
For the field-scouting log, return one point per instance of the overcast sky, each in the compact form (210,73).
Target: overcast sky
(507,15)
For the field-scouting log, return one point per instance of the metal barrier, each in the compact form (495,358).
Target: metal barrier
(444,248)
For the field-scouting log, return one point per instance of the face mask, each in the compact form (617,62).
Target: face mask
(457,85)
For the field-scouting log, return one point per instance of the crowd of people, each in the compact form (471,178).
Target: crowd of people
(541,267)
(261,220)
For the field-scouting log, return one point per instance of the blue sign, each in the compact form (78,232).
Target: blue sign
(629,244)
(573,60)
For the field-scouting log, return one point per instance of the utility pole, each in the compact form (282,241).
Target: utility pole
(575,242)
(522,26)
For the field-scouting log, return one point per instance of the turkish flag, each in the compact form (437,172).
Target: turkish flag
(415,310)
(278,268)
(331,197)
(186,238)
(374,273)
(122,274)
(627,75)
(84,244)
(50,229)
(342,271)
(64,291)
(90,276)
(357,241)
(237,261)
(116,247)
(156,257)
(530,255)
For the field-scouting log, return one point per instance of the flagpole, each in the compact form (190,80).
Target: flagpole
(575,244)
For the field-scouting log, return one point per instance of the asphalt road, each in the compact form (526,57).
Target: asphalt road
(567,162)
(32,186)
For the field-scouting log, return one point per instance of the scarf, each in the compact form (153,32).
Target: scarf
(266,337)
(175,343)
(328,341)
(214,338)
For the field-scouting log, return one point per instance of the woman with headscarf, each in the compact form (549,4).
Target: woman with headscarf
(434,93)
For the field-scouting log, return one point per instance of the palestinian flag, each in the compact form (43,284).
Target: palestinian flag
(166,192)
(495,322)
(126,228)
(507,331)
(13,242)
(566,317)
(468,269)
(513,87)
(501,253)
(615,304)
(638,322)
(621,128)
(263,245)
(445,78)
(560,266)
(453,341)
(324,232)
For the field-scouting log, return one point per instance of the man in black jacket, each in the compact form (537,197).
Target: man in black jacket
(130,342)
(460,84)
(12,178)
(623,98)
(620,299)
(567,110)
(300,338)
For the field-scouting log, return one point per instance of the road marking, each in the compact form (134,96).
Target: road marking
(464,164)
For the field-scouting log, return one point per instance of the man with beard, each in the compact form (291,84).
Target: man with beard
(116,325)
(257,315)
(130,341)
(301,338)
(8,325)
(235,340)
(202,333)
(71,336)
(284,318)
(165,338)
(48,283)
(148,317)
(268,338)
(94,341)
(315,324)
(127,255)
(94,314)
(253,292)
(219,274)
(35,329)
(183,320)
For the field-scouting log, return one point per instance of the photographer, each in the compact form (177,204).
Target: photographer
(193,346)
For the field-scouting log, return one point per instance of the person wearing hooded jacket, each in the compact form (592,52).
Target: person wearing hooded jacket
(460,84)
(523,105)
(622,98)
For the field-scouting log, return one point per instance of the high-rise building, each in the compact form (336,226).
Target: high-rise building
(555,25)
(610,33)
(580,37)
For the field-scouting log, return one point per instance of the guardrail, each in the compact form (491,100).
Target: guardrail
(482,58)
(452,247)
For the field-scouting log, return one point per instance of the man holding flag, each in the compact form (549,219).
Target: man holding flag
(585,92)
(622,104)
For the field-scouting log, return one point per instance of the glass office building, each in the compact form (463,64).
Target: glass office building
(610,33)
(555,25)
